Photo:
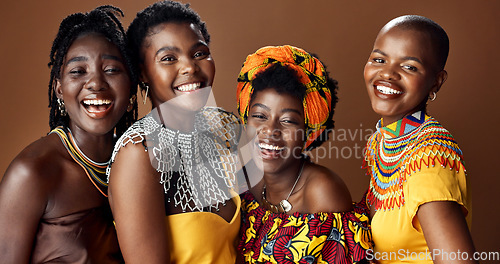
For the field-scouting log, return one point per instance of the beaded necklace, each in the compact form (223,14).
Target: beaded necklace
(197,169)
(401,148)
(96,171)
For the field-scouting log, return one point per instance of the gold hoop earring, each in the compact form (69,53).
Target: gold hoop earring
(62,107)
(434,95)
(144,86)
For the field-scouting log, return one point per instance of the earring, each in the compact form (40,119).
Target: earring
(133,101)
(434,95)
(62,107)
(144,86)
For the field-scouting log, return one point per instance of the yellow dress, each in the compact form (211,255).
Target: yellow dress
(411,162)
(203,237)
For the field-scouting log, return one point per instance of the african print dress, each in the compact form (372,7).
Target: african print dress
(410,162)
(268,237)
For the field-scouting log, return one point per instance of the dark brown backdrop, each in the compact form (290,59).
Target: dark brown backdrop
(341,32)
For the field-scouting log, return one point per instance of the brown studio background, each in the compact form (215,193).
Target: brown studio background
(341,32)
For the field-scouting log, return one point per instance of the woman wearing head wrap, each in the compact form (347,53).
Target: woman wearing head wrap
(299,211)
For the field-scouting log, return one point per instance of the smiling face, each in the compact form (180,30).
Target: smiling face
(401,72)
(177,62)
(278,121)
(94,84)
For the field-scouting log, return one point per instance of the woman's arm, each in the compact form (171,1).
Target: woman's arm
(23,199)
(446,232)
(137,200)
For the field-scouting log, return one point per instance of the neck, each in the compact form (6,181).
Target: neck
(175,118)
(96,147)
(386,120)
(278,185)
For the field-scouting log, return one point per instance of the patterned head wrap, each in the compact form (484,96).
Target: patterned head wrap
(311,73)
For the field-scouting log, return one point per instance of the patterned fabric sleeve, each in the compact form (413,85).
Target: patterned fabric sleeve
(361,207)
(302,238)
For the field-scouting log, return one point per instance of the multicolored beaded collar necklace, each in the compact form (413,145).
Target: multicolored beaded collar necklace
(395,151)
(95,171)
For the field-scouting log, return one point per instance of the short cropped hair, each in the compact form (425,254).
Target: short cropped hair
(439,38)
(156,14)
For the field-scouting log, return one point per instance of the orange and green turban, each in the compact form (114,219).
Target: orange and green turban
(317,101)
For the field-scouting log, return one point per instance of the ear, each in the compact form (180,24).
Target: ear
(57,89)
(440,79)
(143,77)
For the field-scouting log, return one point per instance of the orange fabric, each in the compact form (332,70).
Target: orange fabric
(311,73)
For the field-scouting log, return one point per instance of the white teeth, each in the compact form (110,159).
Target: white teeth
(387,90)
(270,147)
(189,87)
(97,102)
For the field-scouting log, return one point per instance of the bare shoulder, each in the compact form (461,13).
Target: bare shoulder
(325,191)
(132,163)
(130,154)
(134,148)
(32,175)
(37,163)
(24,195)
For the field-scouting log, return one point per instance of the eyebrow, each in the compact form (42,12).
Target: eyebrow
(199,43)
(404,58)
(167,48)
(111,57)
(172,48)
(284,110)
(83,58)
(379,51)
(412,58)
(261,105)
(75,59)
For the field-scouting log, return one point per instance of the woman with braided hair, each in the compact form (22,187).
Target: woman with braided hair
(53,205)
(299,212)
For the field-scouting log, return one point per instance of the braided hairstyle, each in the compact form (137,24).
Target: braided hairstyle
(155,14)
(103,20)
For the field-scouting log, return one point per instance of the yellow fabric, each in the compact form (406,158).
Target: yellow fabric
(203,237)
(396,233)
